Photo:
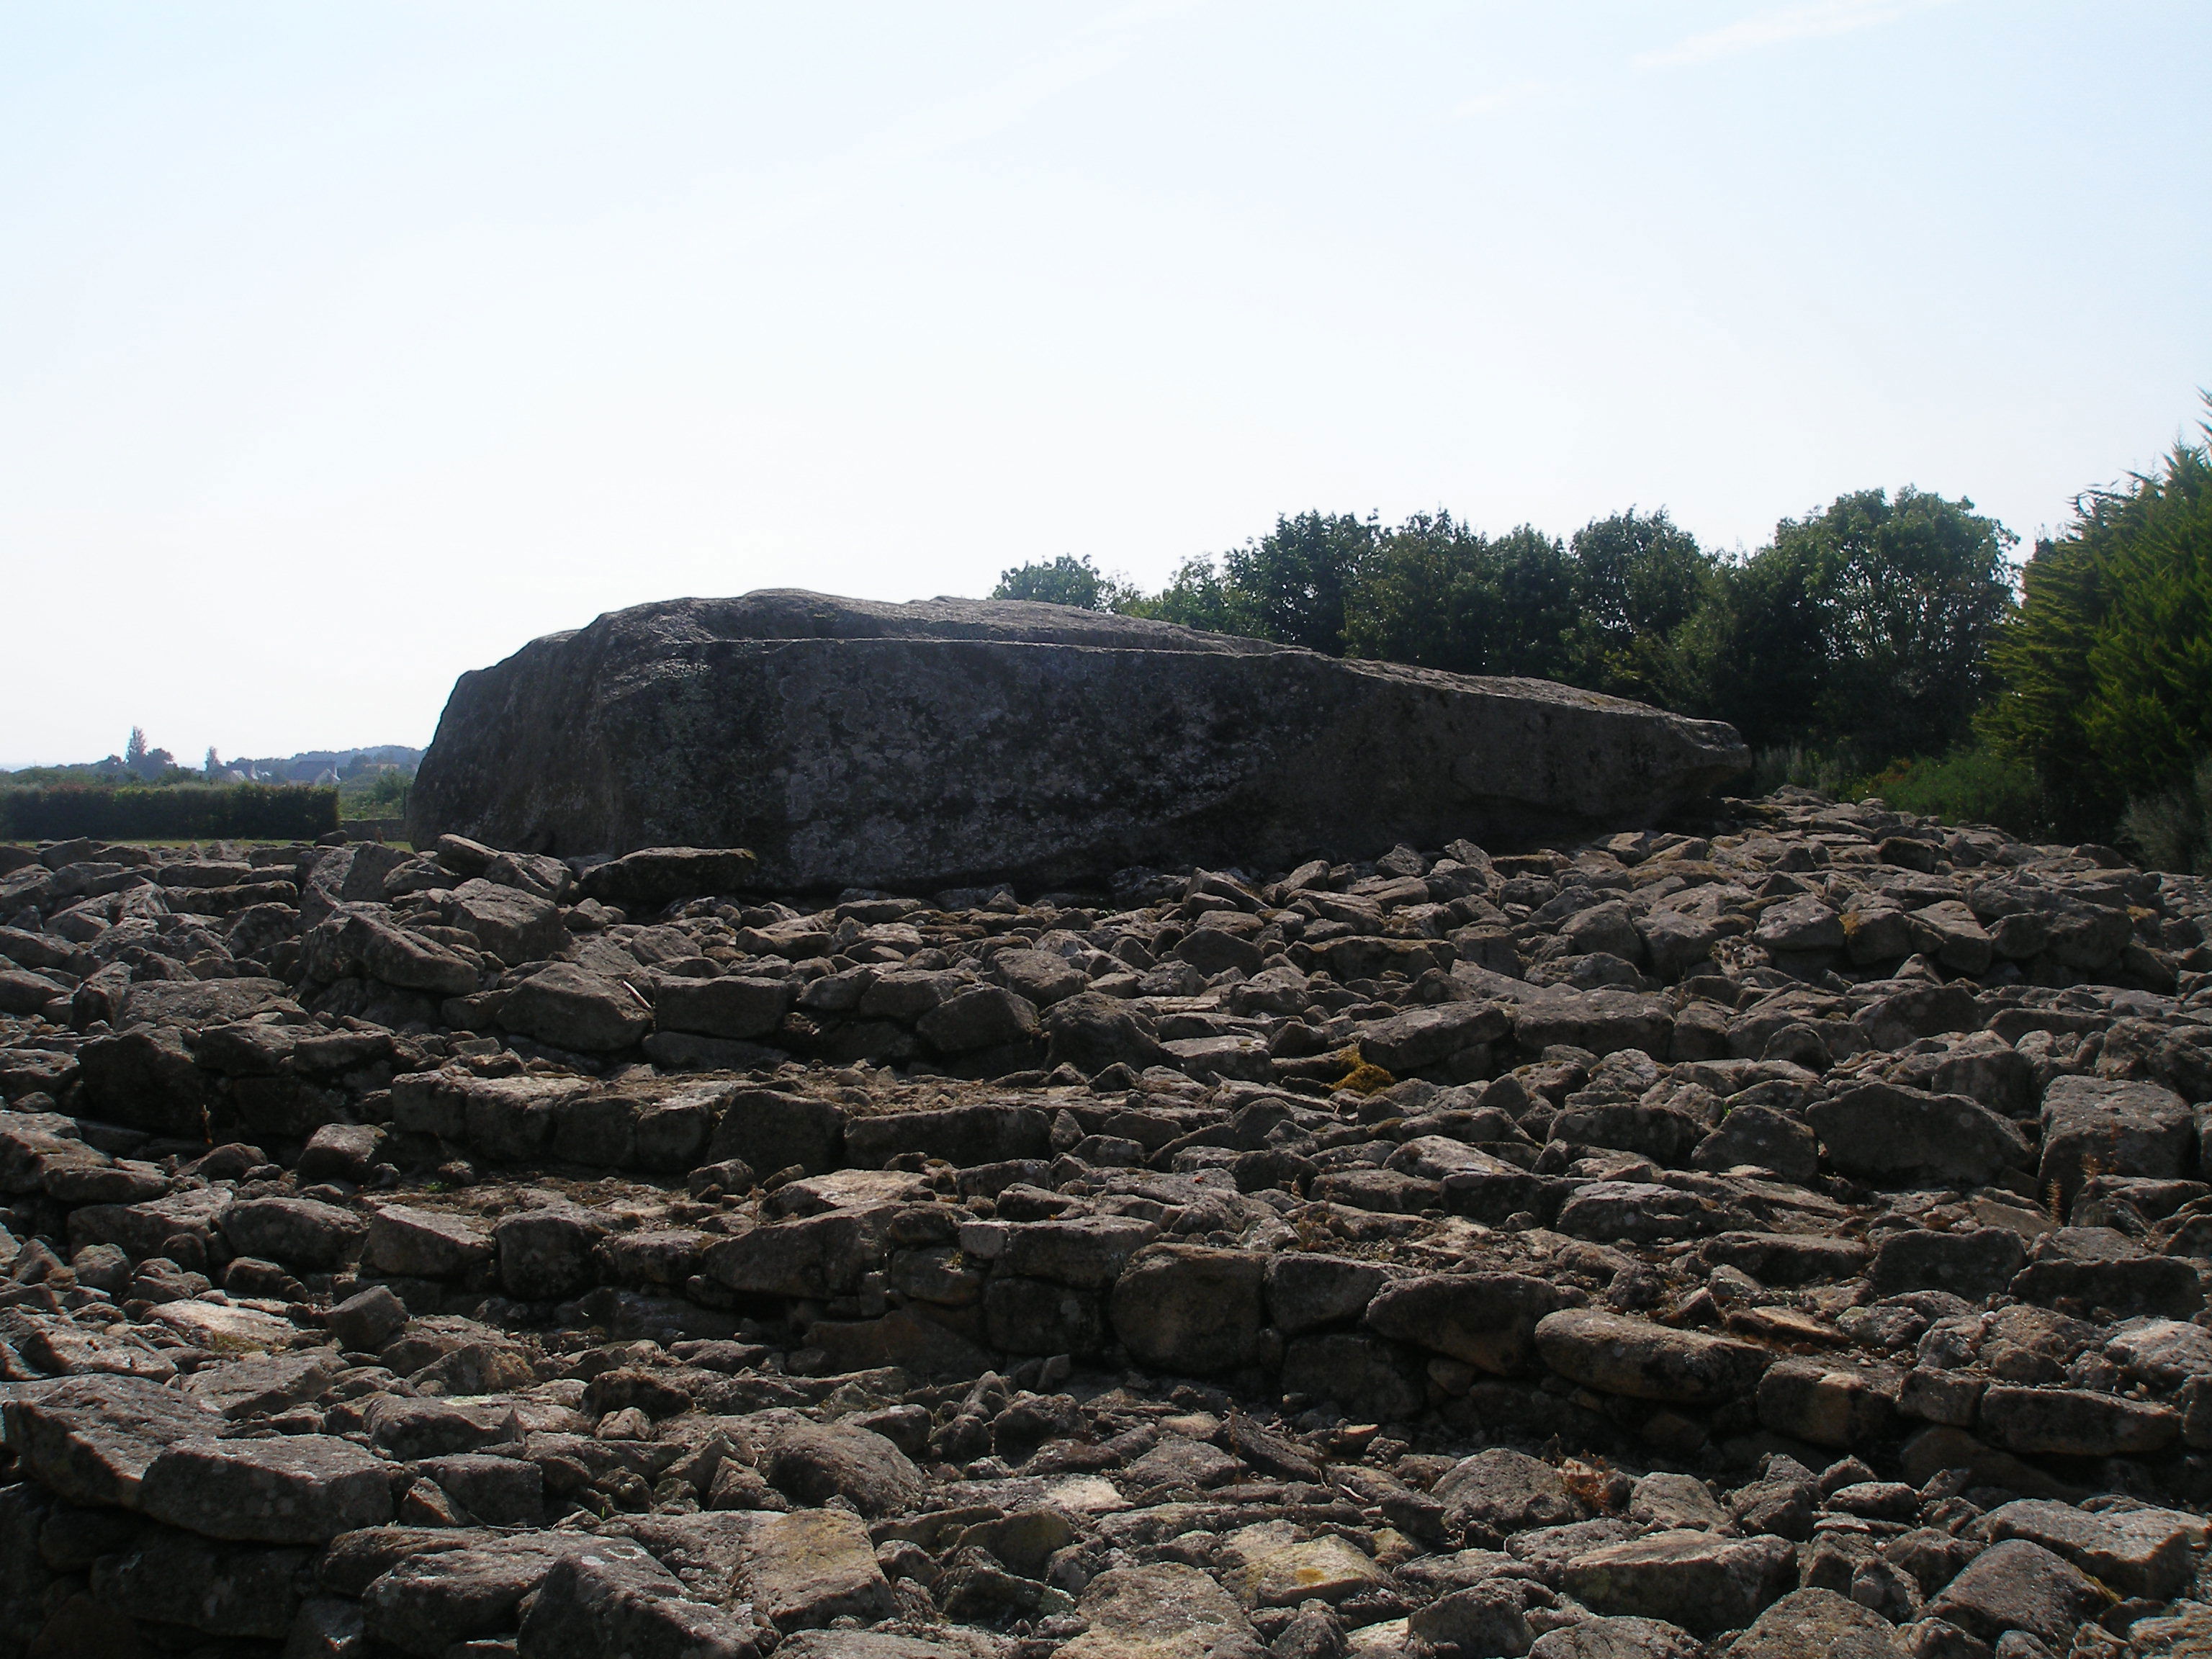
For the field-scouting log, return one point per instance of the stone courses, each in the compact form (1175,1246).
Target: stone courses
(1603,1248)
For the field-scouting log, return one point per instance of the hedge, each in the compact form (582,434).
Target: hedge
(245,811)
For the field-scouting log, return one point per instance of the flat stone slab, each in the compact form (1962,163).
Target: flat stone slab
(2136,1551)
(430,1243)
(91,1439)
(1612,1638)
(2099,1125)
(803,1569)
(1617,1353)
(1275,1569)
(286,1489)
(2184,1634)
(203,1584)
(918,745)
(225,1329)
(67,1349)
(2018,1585)
(1818,1624)
(1165,1611)
(616,1599)
(437,1428)
(2075,1422)
(1885,1135)
(427,1603)
(262,1382)
(1698,1580)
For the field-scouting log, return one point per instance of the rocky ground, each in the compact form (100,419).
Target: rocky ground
(1773,1240)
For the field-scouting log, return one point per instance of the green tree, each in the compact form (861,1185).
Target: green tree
(389,787)
(1756,655)
(2150,718)
(1439,594)
(1067,581)
(1867,624)
(1536,609)
(1639,580)
(1196,597)
(2042,658)
(2107,667)
(1291,585)
(1420,598)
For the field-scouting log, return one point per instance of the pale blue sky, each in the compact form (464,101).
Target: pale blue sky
(346,348)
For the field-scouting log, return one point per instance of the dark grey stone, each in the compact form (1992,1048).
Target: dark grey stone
(90,1439)
(1973,1265)
(1014,740)
(286,1489)
(616,1599)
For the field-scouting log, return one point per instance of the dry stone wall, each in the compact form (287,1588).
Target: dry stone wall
(1782,1233)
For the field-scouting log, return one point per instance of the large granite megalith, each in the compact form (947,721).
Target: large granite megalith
(914,746)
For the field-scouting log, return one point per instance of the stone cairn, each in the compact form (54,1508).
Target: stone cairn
(1785,1239)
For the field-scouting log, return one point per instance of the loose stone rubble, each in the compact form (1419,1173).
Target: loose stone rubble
(1780,1237)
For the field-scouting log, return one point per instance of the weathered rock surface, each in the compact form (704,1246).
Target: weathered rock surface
(1163,1612)
(1693,1579)
(616,1599)
(91,1439)
(288,1489)
(912,746)
(1582,1253)
(1818,1624)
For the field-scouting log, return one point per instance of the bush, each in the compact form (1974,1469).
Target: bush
(243,811)
(1793,765)
(2173,829)
(1971,787)
(380,791)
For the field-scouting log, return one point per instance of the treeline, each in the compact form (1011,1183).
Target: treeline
(1866,625)
(239,812)
(1880,643)
(2104,674)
